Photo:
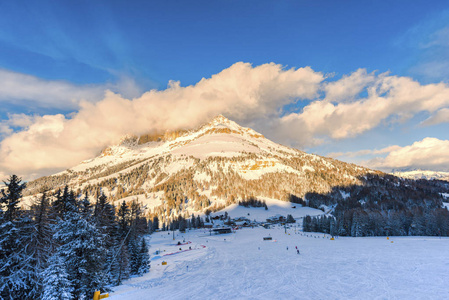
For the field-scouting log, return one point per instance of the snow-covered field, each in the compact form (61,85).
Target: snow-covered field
(243,266)
(275,207)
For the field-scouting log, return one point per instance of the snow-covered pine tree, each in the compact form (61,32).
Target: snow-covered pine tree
(144,258)
(83,251)
(56,282)
(16,276)
(10,197)
(134,253)
(106,222)
(120,268)
(40,245)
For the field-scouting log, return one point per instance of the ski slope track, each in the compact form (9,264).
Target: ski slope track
(243,266)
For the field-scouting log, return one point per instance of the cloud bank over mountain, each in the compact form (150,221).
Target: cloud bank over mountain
(301,107)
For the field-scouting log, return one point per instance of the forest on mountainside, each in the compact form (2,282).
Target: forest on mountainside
(382,206)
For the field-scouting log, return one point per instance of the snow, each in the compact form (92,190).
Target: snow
(150,202)
(275,207)
(205,142)
(345,195)
(232,267)
(226,145)
(446,204)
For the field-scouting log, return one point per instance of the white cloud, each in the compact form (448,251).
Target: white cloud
(388,99)
(427,154)
(364,152)
(441,116)
(348,87)
(241,92)
(250,95)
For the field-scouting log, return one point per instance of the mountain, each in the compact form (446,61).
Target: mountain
(419,174)
(210,167)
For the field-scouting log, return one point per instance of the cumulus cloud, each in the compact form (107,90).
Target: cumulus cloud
(349,87)
(254,96)
(374,100)
(25,89)
(241,92)
(427,154)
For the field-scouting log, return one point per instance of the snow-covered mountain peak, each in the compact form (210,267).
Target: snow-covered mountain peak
(223,125)
(213,166)
(220,119)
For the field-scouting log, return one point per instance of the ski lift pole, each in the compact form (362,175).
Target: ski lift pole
(116,253)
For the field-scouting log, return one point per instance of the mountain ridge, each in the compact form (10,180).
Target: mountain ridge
(209,167)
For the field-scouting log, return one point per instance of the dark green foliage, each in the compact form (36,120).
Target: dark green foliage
(384,205)
(290,219)
(253,202)
(295,199)
(67,249)
(10,197)
(16,272)
(144,258)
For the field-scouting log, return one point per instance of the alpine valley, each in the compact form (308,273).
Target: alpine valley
(180,173)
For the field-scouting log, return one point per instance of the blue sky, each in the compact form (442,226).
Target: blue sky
(130,47)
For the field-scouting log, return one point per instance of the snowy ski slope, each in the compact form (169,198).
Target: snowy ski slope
(243,266)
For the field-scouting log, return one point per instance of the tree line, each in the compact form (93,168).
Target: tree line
(384,205)
(63,247)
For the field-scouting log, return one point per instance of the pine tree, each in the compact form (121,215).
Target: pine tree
(290,219)
(82,248)
(56,283)
(60,204)
(15,272)
(144,258)
(134,254)
(122,263)
(193,221)
(155,224)
(106,222)
(120,269)
(40,245)
(11,196)
(86,207)
(123,219)
(356,228)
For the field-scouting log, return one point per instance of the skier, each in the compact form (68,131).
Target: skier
(287,247)
(297,251)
